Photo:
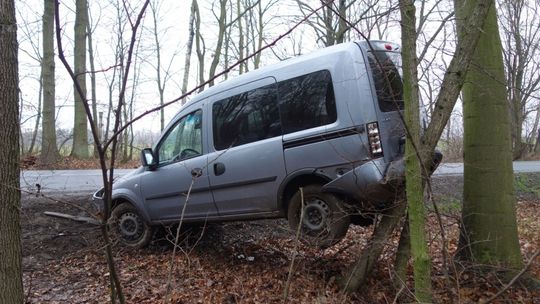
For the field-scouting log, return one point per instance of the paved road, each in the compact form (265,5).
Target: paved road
(64,181)
(457,168)
(85,182)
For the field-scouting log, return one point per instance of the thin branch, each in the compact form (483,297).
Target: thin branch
(513,281)
(223,72)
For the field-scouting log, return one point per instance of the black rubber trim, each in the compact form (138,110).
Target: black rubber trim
(322,137)
(177,193)
(244,183)
(217,187)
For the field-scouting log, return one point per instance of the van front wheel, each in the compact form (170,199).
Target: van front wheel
(130,227)
(324,221)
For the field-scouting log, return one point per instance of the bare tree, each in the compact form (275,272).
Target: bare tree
(446,99)
(80,126)
(11,287)
(93,85)
(189,48)
(489,233)
(111,145)
(163,73)
(333,24)
(222,27)
(49,150)
(414,171)
(521,33)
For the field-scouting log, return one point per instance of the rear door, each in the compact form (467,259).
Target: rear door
(247,166)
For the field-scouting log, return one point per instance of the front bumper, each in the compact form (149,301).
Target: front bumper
(97,200)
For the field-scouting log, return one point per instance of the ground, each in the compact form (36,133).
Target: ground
(249,262)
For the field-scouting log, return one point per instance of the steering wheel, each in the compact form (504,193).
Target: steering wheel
(188,153)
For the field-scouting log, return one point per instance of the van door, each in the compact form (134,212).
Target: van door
(180,155)
(247,166)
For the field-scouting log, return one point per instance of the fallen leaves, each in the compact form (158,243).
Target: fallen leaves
(249,263)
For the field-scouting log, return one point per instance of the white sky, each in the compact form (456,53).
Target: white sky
(173,22)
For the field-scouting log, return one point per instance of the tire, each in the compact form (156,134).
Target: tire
(130,227)
(325,221)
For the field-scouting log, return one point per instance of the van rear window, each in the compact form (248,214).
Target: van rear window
(385,67)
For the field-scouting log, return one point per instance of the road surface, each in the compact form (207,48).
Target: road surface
(85,182)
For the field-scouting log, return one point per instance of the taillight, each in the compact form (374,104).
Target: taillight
(374,139)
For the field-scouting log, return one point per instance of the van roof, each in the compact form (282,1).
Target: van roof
(271,69)
(268,70)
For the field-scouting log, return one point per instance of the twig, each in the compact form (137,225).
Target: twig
(172,263)
(223,72)
(529,263)
(295,250)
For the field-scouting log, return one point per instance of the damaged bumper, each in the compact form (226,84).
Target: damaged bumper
(97,199)
(375,181)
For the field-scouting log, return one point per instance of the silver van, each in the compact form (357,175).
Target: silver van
(317,139)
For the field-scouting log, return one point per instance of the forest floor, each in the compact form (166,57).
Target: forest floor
(249,262)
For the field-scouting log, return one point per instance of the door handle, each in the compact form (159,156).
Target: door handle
(219,168)
(196,172)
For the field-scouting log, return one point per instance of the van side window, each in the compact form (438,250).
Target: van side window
(184,140)
(307,101)
(245,118)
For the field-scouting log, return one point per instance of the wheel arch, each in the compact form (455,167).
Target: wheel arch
(119,198)
(294,181)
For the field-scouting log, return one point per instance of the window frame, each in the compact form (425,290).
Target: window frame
(217,127)
(282,104)
(166,135)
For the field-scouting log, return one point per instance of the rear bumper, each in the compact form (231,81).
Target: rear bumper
(375,181)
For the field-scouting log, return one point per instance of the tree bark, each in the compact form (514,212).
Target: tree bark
(11,287)
(199,44)
(80,126)
(414,172)
(93,86)
(49,150)
(159,80)
(455,76)
(489,230)
(222,23)
(189,49)
(38,120)
(358,274)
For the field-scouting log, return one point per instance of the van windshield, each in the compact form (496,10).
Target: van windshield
(386,70)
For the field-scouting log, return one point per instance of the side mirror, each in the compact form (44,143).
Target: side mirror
(148,159)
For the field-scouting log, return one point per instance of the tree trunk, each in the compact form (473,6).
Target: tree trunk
(11,287)
(414,172)
(49,150)
(189,49)
(489,230)
(38,120)
(199,45)
(80,126)
(260,36)
(342,25)
(159,80)
(93,85)
(357,275)
(240,37)
(222,22)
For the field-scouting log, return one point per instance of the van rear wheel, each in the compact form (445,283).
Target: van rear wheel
(130,227)
(324,221)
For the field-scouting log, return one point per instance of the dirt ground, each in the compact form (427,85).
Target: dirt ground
(245,262)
